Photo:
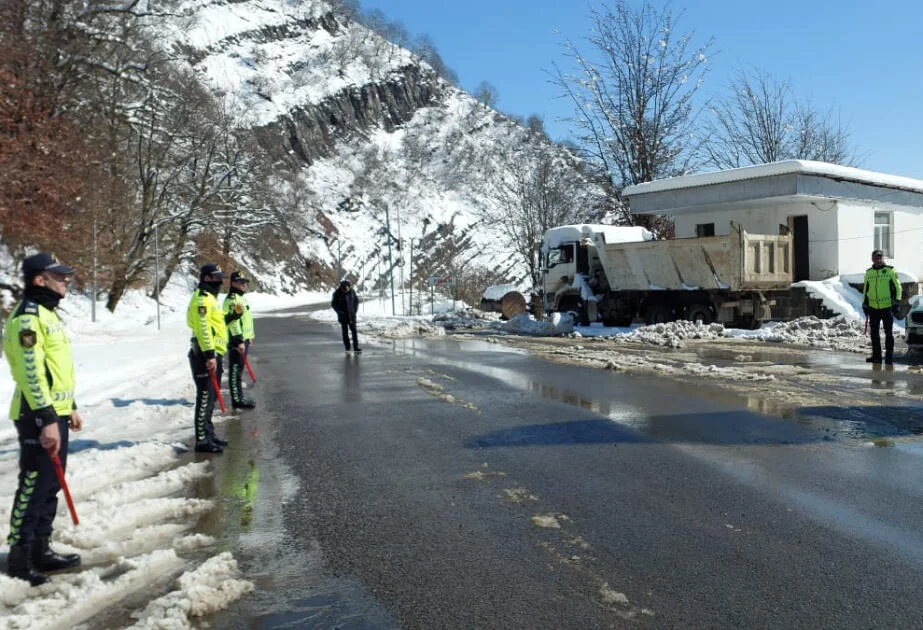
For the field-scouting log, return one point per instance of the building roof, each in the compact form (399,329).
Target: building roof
(799,167)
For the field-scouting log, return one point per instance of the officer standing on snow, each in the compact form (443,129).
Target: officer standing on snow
(43,408)
(209,343)
(881,293)
(239,320)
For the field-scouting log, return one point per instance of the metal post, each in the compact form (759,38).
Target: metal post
(339,263)
(157,273)
(93,297)
(411,276)
(390,265)
(400,248)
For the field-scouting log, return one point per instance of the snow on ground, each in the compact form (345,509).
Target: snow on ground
(844,332)
(131,478)
(127,472)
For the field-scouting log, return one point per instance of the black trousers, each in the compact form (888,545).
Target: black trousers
(35,502)
(204,395)
(235,373)
(877,317)
(349,326)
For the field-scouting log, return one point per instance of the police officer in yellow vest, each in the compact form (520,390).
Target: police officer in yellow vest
(43,408)
(209,343)
(881,293)
(240,328)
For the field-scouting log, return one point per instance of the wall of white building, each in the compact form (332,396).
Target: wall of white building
(823,229)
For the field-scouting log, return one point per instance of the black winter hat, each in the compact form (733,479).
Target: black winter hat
(344,283)
(236,276)
(211,269)
(42,261)
(877,253)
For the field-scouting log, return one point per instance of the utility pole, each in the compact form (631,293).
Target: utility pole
(93,297)
(157,273)
(411,276)
(339,261)
(400,248)
(390,264)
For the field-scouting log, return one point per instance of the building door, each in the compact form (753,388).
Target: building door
(799,227)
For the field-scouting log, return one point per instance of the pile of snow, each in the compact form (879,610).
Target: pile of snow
(524,324)
(838,333)
(497,291)
(672,334)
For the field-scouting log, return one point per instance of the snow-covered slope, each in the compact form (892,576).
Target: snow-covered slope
(377,138)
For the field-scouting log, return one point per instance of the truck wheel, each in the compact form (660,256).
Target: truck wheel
(658,314)
(617,321)
(699,313)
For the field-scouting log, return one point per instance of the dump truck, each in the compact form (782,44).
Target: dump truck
(618,275)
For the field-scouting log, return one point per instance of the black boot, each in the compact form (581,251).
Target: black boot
(873,360)
(207,447)
(244,403)
(45,559)
(19,565)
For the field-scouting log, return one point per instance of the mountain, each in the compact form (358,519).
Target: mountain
(375,139)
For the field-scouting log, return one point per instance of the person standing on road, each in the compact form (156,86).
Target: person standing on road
(239,320)
(209,343)
(881,293)
(346,303)
(43,408)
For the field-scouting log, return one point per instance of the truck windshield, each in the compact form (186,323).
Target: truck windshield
(561,255)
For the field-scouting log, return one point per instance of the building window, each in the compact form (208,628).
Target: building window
(705,229)
(884,233)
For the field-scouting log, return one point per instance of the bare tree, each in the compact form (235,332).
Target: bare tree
(634,102)
(760,121)
(530,194)
(536,124)
(486,94)
(425,48)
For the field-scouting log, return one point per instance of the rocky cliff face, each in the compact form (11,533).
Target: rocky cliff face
(311,131)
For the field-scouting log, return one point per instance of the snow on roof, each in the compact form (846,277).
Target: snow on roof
(497,291)
(801,167)
(612,233)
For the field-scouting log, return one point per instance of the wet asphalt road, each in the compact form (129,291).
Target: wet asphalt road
(542,495)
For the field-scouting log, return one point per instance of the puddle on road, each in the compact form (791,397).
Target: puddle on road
(826,422)
(251,486)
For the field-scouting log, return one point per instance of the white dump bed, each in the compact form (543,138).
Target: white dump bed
(736,262)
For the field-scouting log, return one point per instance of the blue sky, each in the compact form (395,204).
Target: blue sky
(865,59)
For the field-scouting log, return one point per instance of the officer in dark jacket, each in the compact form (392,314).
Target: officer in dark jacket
(345,302)
(881,293)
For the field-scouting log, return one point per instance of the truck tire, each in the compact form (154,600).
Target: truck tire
(748,322)
(658,314)
(616,321)
(699,313)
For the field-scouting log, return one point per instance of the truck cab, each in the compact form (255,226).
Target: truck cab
(572,274)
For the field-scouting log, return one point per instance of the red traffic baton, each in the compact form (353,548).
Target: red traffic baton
(249,369)
(59,470)
(211,372)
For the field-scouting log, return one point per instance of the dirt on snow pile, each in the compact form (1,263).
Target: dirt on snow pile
(838,333)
